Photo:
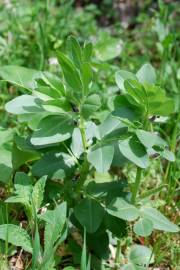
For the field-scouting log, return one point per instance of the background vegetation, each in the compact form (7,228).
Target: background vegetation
(104,76)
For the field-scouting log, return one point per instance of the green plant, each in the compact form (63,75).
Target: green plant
(72,145)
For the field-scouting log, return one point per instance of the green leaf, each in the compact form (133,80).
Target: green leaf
(20,76)
(16,235)
(54,165)
(70,73)
(117,226)
(134,151)
(74,50)
(38,192)
(168,155)
(101,157)
(160,222)
(108,47)
(5,165)
(141,255)
(146,74)
(121,76)
(23,189)
(131,266)
(109,125)
(122,209)
(55,221)
(86,76)
(91,104)
(149,139)
(24,104)
(52,129)
(90,214)
(87,51)
(77,144)
(6,135)
(143,227)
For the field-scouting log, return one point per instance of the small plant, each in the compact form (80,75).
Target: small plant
(73,140)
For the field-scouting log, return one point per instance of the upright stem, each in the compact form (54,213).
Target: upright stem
(85,166)
(136,185)
(172,146)
(118,255)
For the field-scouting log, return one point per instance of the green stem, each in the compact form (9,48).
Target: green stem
(85,166)
(118,255)
(83,134)
(172,147)
(136,185)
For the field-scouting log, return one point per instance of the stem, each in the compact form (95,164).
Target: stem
(172,147)
(136,185)
(85,166)
(83,134)
(118,255)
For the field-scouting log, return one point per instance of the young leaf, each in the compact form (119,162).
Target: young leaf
(143,227)
(16,235)
(160,222)
(75,51)
(23,189)
(123,75)
(38,192)
(91,104)
(133,150)
(87,51)
(70,73)
(121,209)
(101,157)
(53,129)
(90,214)
(55,220)
(146,74)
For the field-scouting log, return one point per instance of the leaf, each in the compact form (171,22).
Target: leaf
(86,76)
(143,227)
(141,255)
(149,139)
(54,165)
(121,76)
(16,235)
(24,104)
(55,221)
(91,104)
(52,129)
(5,165)
(6,135)
(146,74)
(108,47)
(121,209)
(117,226)
(22,156)
(76,144)
(38,192)
(90,214)
(74,50)
(87,51)
(20,76)
(23,189)
(133,150)
(131,266)
(109,125)
(101,157)
(160,222)
(168,155)
(70,73)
